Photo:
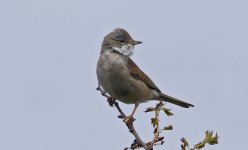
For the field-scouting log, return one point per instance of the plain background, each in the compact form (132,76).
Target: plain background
(195,50)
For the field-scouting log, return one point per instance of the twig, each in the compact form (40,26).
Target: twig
(156,129)
(137,142)
(155,123)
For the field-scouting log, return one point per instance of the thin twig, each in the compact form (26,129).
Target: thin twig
(137,142)
(155,122)
(156,133)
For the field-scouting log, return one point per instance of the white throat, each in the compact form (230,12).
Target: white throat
(127,49)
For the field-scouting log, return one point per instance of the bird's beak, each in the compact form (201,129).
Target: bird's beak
(136,42)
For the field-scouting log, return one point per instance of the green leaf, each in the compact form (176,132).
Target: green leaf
(208,136)
(214,140)
(167,112)
(168,127)
(149,109)
(154,122)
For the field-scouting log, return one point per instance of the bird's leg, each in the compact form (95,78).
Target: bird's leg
(129,119)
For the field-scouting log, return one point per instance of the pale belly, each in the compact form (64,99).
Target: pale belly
(114,77)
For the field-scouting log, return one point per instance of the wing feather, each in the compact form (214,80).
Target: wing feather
(137,73)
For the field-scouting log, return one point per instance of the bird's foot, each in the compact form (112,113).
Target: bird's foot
(103,93)
(129,120)
(111,101)
(98,88)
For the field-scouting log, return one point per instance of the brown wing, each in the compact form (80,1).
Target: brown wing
(137,73)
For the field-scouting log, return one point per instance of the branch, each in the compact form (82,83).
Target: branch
(208,139)
(137,142)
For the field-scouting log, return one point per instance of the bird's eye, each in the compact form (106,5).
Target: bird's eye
(117,38)
(122,41)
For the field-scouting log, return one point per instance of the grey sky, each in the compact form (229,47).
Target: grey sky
(195,50)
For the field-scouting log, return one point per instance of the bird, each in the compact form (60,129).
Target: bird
(121,78)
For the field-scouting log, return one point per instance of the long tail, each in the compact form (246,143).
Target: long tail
(175,101)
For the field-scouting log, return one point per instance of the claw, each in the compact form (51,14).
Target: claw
(111,101)
(103,92)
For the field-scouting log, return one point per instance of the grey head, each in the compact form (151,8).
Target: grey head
(120,41)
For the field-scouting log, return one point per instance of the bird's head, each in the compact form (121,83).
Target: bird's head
(119,40)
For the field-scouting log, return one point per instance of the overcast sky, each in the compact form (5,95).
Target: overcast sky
(195,50)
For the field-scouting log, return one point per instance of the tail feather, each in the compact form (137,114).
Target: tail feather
(175,101)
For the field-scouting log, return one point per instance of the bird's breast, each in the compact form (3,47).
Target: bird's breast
(115,78)
(112,73)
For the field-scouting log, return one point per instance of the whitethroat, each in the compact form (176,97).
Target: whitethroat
(121,78)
